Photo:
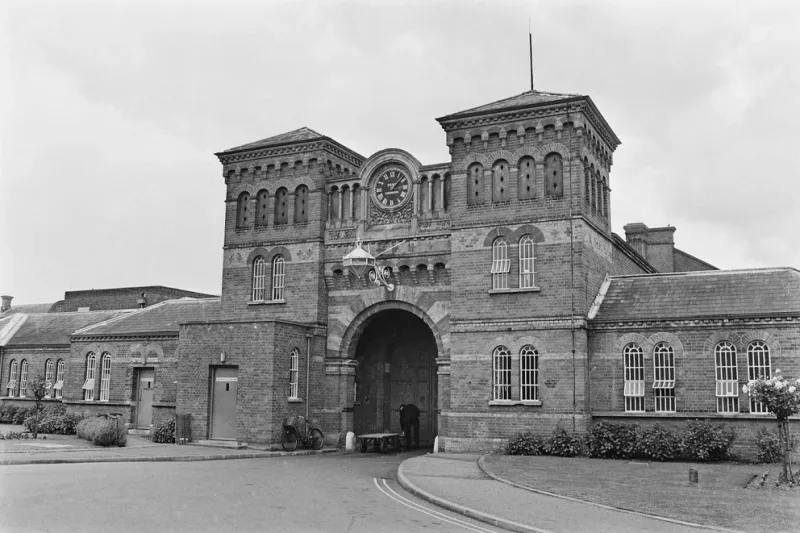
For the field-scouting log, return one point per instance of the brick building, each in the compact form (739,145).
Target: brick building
(502,300)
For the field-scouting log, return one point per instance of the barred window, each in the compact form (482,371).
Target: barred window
(527,250)
(58,387)
(633,359)
(501,364)
(259,279)
(501,264)
(664,378)
(529,373)
(48,378)
(294,373)
(727,374)
(105,377)
(23,378)
(758,367)
(12,378)
(88,385)
(278,275)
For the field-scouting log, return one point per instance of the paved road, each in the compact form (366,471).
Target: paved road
(335,492)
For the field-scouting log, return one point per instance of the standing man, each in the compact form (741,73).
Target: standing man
(409,418)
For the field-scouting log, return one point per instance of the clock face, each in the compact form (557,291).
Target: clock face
(392,189)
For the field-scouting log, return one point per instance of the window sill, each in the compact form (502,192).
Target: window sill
(514,402)
(97,402)
(687,414)
(513,291)
(267,302)
(295,400)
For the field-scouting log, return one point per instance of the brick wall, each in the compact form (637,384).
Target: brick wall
(121,298)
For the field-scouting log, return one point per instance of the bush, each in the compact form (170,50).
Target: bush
(21,414)
(103,431)
(524,444)
(703,441)
(562,444)
(769,446)
(7,413)
(54,420)
(612,441)
(14,435)
(658,443)
(165,432)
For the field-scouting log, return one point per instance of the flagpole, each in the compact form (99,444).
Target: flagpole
(530,48)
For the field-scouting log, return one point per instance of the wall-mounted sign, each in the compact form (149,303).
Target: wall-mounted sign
(227,380)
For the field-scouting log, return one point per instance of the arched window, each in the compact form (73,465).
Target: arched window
(301,204)
(242,214)
(424,195)
(88,385)
(294,373)
(58,387)
(23,378)
(500,172)
(105,377)
(529,373)
(500,263)
(259,279)
(446,193)
(278,275)
(347,203)
(606,209)
(12,378)
(501,365)
(334,204)
(436,193)
(758,367)
(587,185)
(356,202)
(526,178)
(526,262)
(281,208)
(727,374)
(633,359)
(664,378)
(554,175)
(262,207)
(594,191)
(475,184)
(48,378)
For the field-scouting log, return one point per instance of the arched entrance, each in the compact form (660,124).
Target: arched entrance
(396,355)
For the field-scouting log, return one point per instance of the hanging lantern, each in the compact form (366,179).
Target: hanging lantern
(359,260)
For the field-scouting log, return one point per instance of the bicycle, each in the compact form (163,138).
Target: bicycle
(296,429)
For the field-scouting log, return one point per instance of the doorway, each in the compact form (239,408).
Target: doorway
(396,356)
(144,398)
(225,385)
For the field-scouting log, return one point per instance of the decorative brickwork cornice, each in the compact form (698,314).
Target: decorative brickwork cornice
(293,149)
(686,323)
(125,338)
(518,324)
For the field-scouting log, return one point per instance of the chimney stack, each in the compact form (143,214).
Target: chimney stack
(657,245)
(6,303)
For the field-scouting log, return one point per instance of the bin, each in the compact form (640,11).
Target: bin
(183,428)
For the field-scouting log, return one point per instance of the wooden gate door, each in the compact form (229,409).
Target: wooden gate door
(223,403)
(144,398)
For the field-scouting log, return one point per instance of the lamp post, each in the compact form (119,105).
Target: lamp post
(360,260)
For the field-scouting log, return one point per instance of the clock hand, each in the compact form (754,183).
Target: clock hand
(396,183)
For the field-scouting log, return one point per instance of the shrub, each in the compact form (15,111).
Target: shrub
(7,413)
(14,435)
(165,432)
(703,441)
(54,420)
(562,444)
(769,445)
(103,431)
(524,444)
(615,441)
(658,443)
(21,414)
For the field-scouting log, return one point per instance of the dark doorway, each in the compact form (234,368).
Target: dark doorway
(396,357)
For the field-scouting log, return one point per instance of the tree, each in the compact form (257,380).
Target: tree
(37,388)
(782,398)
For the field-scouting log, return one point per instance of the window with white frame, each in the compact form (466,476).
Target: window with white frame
(501,365)
(633,390)
(48,378)
(294,373)
(529,373)
(758,367)
(259,279)
(12,378)
(500,263)
(58,387)
(88,385)
(23,378)
(727,374)
(278,277)
(105,377)
(526,262)
(664,378)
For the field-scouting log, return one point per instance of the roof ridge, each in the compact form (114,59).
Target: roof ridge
(123,313)
(717,272)
(8,331)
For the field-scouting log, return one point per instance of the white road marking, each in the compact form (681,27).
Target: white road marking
(388,491)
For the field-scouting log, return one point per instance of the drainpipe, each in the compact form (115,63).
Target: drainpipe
(308,368)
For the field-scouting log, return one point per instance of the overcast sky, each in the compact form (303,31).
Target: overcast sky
(111,113)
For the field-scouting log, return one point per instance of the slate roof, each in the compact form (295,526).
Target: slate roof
(528,98)
(705,294)
(163,317)
(300,134)
(55,328)
(27,308)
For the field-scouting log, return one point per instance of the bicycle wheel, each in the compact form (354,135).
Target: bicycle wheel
(289,438)
(315,439)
